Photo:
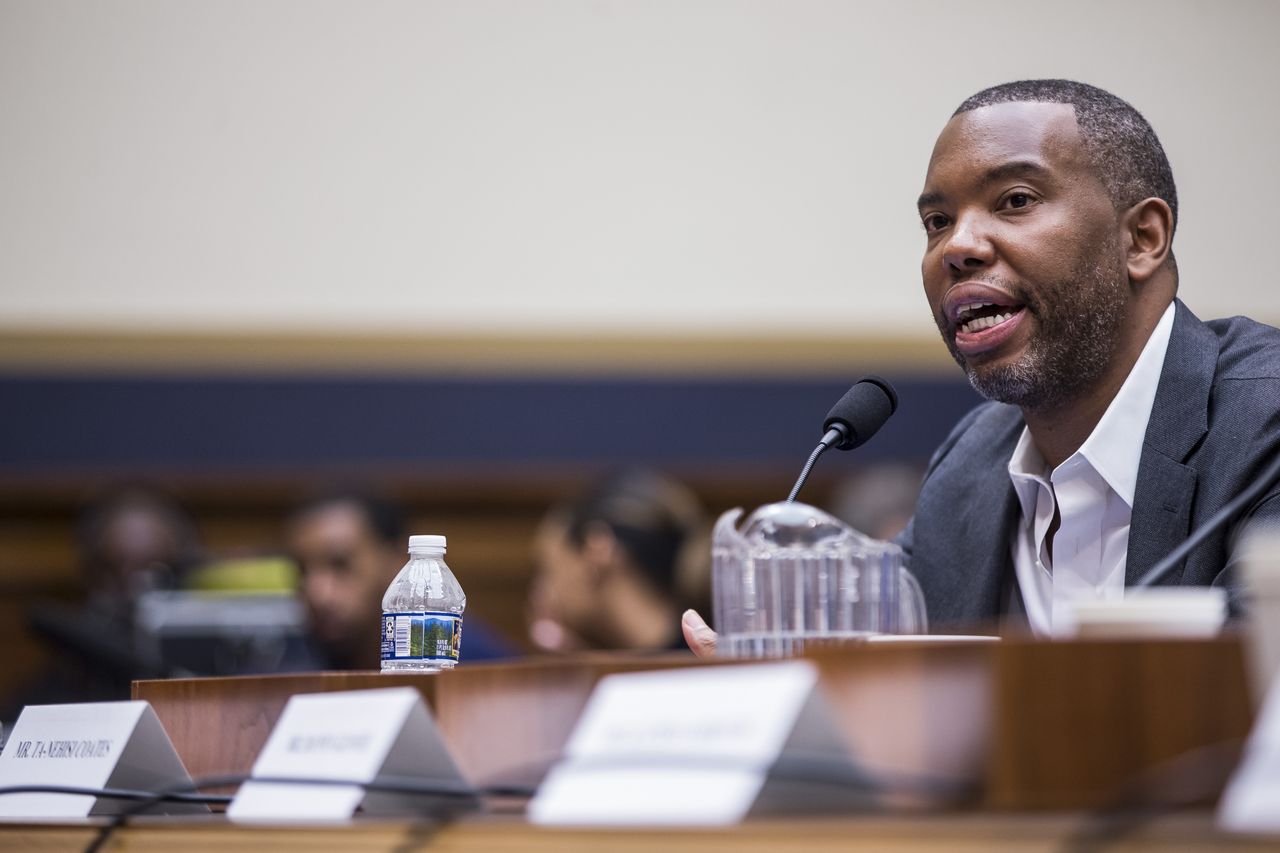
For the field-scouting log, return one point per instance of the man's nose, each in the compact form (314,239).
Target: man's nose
(319,589)
(968,246)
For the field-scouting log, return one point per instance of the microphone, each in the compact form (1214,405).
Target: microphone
(1219,519)
(852,420)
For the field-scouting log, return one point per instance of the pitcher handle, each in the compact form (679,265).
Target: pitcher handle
(912,616)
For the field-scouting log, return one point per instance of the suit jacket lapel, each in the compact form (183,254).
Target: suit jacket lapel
(1179,419)
(994,569)
(976,563)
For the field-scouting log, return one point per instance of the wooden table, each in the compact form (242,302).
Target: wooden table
(1036,726)
(1033,725)
(964,833)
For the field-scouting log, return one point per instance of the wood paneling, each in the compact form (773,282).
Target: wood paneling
(1015,725)
(511,354)
(219,725)
(1080,723)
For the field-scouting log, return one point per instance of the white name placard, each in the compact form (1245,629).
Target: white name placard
(1251,802)
(361,736)
(90,745)
(705,745)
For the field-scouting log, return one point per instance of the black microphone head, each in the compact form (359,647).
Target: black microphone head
(861,411)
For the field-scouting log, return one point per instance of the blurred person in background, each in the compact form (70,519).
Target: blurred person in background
(616,566)
(130,539)
(348,547)
(879,499)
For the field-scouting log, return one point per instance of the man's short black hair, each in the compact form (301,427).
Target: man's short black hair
(653,518)
(1122,147)
(386,521)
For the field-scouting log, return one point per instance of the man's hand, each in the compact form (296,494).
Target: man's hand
(698,634)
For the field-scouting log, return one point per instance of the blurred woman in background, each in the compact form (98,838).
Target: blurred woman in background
(616,566)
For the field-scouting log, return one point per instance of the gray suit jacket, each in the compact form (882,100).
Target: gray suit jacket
(1214,425)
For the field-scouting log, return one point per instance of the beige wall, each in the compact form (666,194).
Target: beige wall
(541,168)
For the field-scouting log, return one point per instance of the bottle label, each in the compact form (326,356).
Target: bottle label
(421,636)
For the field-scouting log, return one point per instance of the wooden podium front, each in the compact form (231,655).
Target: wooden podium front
(1022,724)
(504,722)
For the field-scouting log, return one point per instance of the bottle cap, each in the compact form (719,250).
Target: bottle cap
(429,542)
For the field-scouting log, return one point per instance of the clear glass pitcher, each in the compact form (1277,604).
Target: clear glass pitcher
(794,574)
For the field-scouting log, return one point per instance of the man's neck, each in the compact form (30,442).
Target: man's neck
(357,653)
(639,619)
(1060,431)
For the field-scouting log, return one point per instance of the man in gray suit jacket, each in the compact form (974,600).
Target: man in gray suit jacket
(1119,421)
(1214,424)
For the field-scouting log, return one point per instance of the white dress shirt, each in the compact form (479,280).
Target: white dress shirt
(1092,492)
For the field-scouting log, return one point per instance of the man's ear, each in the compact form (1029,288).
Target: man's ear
(1148,229)
(600,550)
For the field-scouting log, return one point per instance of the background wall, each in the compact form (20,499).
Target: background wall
(472,253)
(565,166)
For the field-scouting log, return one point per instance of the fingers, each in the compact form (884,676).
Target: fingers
(698,634)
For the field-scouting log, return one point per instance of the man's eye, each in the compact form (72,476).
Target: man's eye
(1018,200)
(934,222)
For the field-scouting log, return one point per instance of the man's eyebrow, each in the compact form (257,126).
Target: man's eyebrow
(1013,169)
(1002,172)
(929,199)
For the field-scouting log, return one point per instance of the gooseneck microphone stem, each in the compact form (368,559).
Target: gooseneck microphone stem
(1219,519)
(852,420)
(833,436)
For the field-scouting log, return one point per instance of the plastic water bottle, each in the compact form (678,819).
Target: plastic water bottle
(422,612)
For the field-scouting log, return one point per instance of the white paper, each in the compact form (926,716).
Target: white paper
(91,745)
(356,735)
(687,746)
(573,794)
(1251,802)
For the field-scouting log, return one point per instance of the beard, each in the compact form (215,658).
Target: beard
(1079,320)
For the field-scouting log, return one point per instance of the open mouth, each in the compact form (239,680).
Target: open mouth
(974,317)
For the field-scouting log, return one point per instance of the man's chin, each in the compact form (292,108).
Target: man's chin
(1017,381)
(334,639)
(1003,383)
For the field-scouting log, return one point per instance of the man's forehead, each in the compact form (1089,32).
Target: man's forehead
(1013,131)
(340,521)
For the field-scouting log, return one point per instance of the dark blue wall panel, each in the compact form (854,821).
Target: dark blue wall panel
(68,423)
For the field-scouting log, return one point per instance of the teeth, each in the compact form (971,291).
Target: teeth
(982,323)
(967,311)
